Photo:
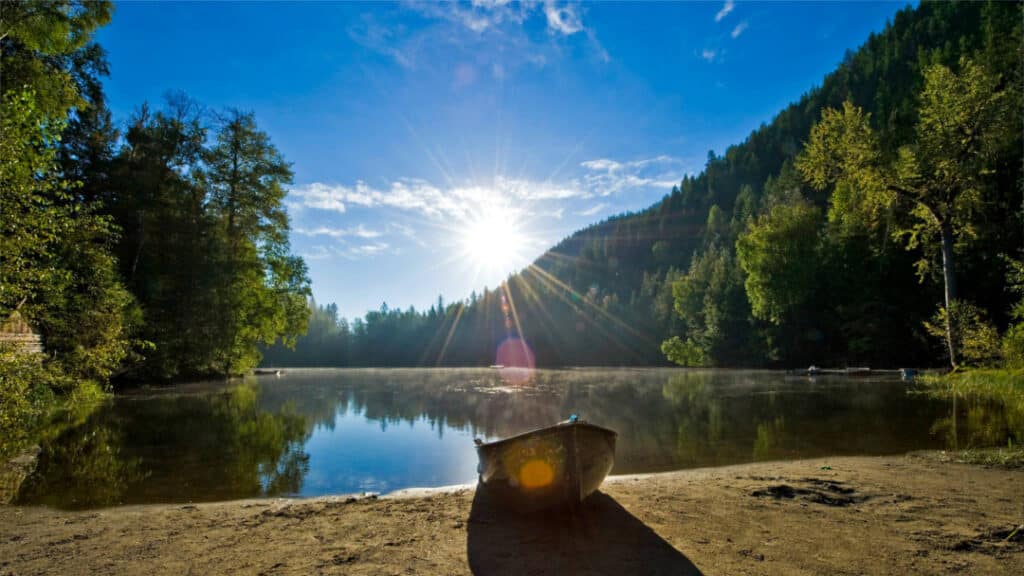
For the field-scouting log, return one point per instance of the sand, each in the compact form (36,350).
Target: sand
(855,515)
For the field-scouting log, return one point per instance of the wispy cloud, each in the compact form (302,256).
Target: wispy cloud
(557,213)
(606,177)
(359,231)
(477,28)
(739,29)
(420,202)
(563,19)
(406,194)
(478,16)
(612,165)
(527,190)
(601,177)
(593,209)
(726,9)
(351,252)
(420,196)
(709,54)
(317,253)
(407,231)
(370,249)
(392,41)
(318,196)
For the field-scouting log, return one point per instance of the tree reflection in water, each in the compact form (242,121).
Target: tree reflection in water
(210,446)
(336,431)
(982,418)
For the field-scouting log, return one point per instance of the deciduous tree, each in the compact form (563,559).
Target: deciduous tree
(938,180)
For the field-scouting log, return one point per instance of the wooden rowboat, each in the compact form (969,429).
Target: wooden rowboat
(557,466)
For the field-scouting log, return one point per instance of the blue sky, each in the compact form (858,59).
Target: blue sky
(439,147)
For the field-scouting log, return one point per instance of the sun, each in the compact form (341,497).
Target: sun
(493,239)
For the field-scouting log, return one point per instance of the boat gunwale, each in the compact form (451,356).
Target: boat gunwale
(552,428)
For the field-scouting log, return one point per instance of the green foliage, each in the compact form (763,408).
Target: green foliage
(53,26)
(265,289)
(1013,339)
(780,254)
(1012,347)
(205,245)
(198,233)
(662,251)
(940,177)
(26,392)
(717,227)
(1008,383)
(55,260)
(86,314)
(42,43)
(843,151)
(30,221)
(974,336)
(710,301)
(939,180)
(687,353)
(745,209)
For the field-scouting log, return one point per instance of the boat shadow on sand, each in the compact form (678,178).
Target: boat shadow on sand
(601,538)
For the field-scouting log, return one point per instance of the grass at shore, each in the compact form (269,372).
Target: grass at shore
(990,381)
(1012,457)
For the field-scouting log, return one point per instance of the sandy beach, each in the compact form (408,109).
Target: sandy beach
(912,514)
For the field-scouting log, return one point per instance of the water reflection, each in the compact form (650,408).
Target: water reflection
(338,431)
(176,447)
(977,420)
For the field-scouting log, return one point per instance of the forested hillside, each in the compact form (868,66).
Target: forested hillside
(818,278)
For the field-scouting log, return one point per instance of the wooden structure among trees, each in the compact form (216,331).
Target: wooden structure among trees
(17,331)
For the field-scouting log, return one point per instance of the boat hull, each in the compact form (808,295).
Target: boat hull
(552,467)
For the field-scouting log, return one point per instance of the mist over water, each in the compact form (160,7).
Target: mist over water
(315,432)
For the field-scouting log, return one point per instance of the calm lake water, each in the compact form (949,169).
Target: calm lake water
(313,432)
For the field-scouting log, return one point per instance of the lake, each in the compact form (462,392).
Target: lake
(313,432)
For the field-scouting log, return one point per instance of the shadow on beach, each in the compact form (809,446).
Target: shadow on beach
(601,538)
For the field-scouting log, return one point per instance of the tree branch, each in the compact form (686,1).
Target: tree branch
(910,195)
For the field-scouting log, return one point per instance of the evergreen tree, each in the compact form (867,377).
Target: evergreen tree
(262,294)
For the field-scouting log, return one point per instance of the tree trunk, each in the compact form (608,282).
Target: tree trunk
(950,285)
(138,247)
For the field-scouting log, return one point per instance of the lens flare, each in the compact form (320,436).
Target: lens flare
(536,474)
(516,359)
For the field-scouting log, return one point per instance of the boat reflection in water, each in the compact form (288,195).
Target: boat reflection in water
(558,466)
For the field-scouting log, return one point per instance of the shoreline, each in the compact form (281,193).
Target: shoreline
(845,515)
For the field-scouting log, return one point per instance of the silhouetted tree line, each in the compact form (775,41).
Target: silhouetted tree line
(833,272)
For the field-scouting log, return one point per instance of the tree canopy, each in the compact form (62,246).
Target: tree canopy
(158,255)
(940,179)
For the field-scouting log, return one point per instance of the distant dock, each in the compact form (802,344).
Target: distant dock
(268,372)
(858,371)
